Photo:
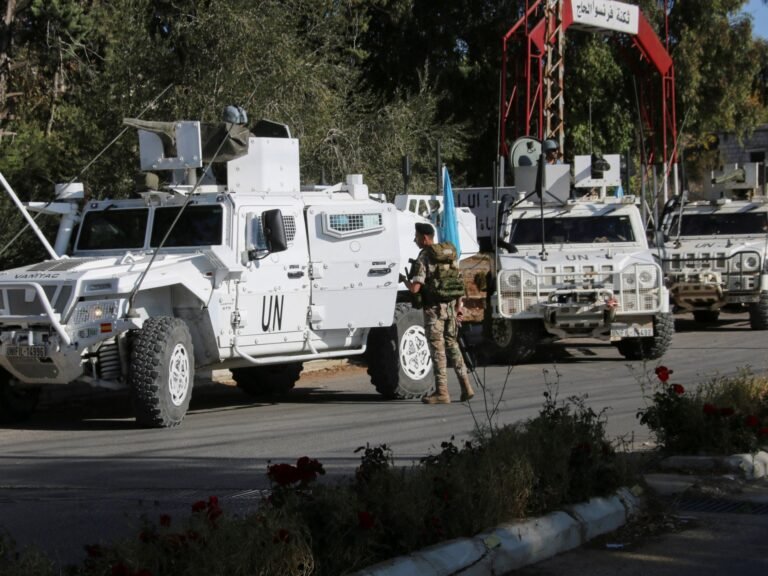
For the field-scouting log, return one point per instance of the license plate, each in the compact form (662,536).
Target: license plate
(24,351)
(742,299)
(631,332)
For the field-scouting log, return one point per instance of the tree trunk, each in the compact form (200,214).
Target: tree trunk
(5,60)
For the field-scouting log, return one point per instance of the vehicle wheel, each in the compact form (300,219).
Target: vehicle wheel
(653,347)
(706,316)
(758,313)
(17,403)
(269,380)
(162,372)
(398,358)
(514,341)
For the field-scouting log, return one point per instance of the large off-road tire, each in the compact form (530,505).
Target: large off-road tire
(398,358)
(514,341)
(758,313)
(706,316)
(17,403)
(270,380)
(653,347)
(162,372)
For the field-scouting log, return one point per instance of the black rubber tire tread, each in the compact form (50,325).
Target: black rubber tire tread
(526,335)
(151,351)
(17,403)
(270,380)
(383,359)
(758,313)
(651,348)
(706,316)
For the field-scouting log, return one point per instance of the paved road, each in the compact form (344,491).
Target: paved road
(81,472)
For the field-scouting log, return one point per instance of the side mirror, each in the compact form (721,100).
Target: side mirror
(274,230)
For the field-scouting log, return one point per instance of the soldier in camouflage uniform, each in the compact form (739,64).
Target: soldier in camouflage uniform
(440,323)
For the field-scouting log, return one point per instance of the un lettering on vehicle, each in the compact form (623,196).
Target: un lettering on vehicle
(272,307)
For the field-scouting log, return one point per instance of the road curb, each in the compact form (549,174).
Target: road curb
(511,546)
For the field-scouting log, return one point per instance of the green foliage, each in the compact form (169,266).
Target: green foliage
(305,527)
(722,416)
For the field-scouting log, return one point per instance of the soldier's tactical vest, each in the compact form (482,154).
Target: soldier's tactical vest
(444,282)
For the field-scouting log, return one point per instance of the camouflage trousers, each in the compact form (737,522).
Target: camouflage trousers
(442,334)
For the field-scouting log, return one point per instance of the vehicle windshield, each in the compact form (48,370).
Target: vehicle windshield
(197,226)
(573,230)
(723,223)
(126,229)
(113,229)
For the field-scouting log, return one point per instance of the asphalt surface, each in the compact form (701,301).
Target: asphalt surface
(82,472)
(679,541)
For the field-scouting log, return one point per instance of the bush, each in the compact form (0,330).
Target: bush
(304,527)
(726,415)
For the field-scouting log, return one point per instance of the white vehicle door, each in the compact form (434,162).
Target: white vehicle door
(355,261)
(272,300)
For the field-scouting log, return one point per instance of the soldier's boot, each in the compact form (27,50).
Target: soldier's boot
(440,396)
(467,392)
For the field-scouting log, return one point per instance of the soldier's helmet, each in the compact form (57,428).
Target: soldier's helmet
(234,115)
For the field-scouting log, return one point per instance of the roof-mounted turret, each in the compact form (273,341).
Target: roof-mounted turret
(734,181)
(263,162)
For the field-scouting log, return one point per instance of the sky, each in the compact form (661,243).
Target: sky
(759,12)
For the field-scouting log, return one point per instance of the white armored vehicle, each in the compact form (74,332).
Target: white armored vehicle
(229,265)
(715,251)
(574,267)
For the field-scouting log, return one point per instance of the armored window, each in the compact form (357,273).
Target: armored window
(197,226)
(729,223)
(574,230)
(113,229)
(346,225)
(256,238)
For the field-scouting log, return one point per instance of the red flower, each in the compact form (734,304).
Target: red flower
(751,421)
(663,373)
(165,520)
(365,520)
(308,469)
(199,506)
(710,409)
(727,411)
(678,389)
(283,474)
(763,431)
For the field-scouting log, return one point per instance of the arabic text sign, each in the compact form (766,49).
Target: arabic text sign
(606,14)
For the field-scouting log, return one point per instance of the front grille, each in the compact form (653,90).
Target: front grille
(20,300)
(741,271)
(635,289)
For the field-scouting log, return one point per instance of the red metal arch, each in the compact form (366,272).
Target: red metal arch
(531,29)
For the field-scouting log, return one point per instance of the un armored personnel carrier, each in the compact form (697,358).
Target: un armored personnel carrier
(572,265)
(714,250)
(227,264)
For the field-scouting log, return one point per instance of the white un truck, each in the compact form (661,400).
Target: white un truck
(574,266)
(229,264)
(714,250)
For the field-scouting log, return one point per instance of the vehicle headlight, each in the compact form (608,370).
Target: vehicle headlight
(511,281)
(95,311)
(647,277)
(750,263)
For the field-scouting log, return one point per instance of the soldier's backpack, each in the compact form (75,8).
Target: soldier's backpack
(444,282)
